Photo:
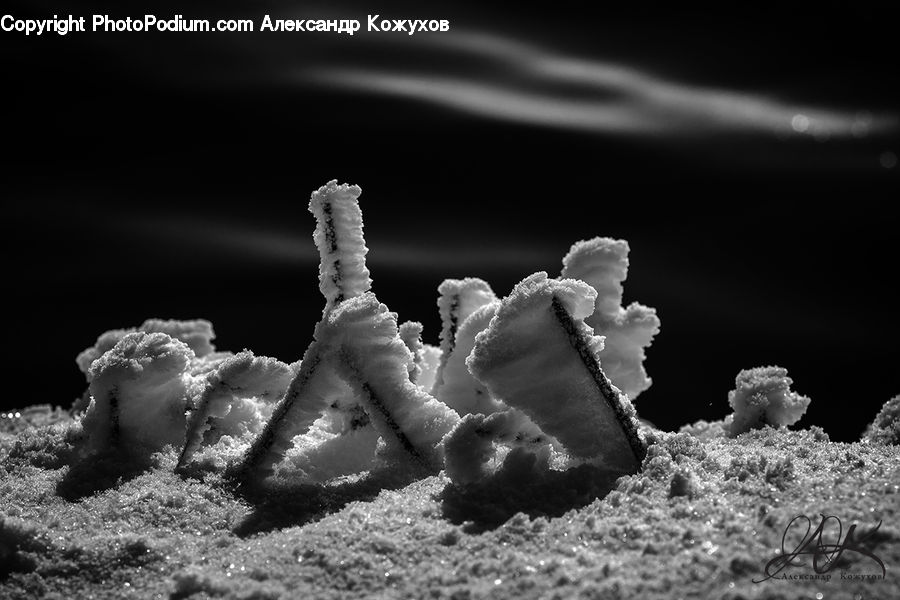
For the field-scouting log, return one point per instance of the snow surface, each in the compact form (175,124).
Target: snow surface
(158,535)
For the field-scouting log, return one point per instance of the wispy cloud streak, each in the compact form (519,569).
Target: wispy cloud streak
(592,95)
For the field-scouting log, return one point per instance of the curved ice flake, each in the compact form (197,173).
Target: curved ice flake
(539,356)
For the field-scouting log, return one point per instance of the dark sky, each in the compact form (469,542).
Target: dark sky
(745,153)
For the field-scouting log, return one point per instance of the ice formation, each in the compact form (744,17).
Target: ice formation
(471,445)
(411,334)
(459,390)
(603,264)
(234,397)
(885,429)
(197,334)
(538,355)
(370,355)
(458,298)
(762,396)
(313,390)
(316,386)
(139,391)
(339,238)
(517,377)
(357,354)
(428,366)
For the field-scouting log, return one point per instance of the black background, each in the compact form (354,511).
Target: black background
(168,175)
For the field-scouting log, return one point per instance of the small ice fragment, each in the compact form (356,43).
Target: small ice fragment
(469,447)
(762,396)
(431,359)
(885,429)
(411,334)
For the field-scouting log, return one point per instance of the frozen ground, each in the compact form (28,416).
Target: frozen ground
(700,521)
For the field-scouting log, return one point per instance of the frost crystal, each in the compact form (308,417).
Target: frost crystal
(339,238)
(458,299)
(357,353)
(411,334)
(139,390)
(885,429)
(373,359)
(470,446)
(313,389)
(197,334)
(460,391)
(524,373)
(762,396)
(602,263)
(431,359)
(232,392)
(539,356)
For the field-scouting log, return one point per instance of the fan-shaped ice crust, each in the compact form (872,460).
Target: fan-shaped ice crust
(460,391)
(458,298)
(539,356)
(236,379)
(762,396)
(139,390)
(105,342)
(339,238)
(370,355)
(411,334)
(197,334)
(470,445)
(602,263)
